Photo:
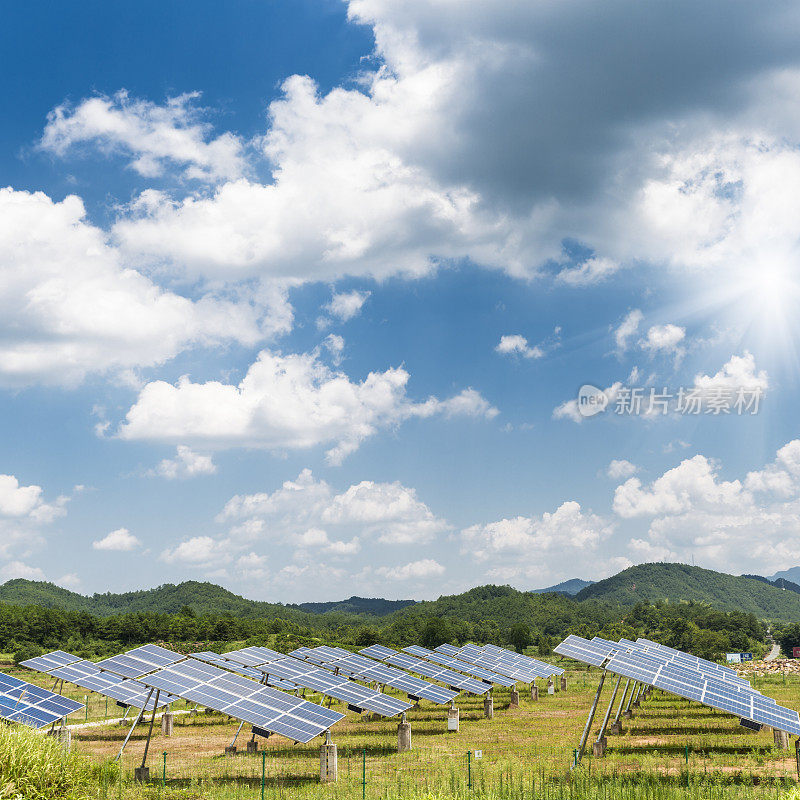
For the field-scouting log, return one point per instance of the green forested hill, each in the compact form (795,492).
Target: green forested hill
(373,606)
(676,583)
(202,598)
(484,608)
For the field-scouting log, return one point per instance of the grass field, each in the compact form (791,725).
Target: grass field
(670,749)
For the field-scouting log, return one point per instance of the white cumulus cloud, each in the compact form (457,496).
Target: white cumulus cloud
(120,540)
(286,402)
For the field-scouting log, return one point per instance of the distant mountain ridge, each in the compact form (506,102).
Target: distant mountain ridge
(792,574)
(673,583)
(570,587)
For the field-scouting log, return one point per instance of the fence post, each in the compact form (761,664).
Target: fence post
(164,771)
(263,771)
(469,769)
(363,773)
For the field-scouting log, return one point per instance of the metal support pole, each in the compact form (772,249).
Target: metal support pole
(589,721)
(622,701)
(125,715)
(639,693)
(237,734)
(135,723)
(630,699)
(150,731)
(608,710)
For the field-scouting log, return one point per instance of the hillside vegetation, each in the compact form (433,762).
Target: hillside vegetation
(681,583)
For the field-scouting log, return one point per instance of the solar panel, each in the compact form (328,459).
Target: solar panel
(54,660)
(88,675)
(582,650)
(340,687)
(140,661)
(357,666)
(244,699)
(661,667)
(251,672)
(493,650)
(710,692)
(506,663)
(447,676)
(31,705)
(459,666)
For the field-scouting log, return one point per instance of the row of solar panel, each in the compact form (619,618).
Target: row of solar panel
(687,677)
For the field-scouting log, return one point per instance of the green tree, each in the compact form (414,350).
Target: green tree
(520,636)
(436,631)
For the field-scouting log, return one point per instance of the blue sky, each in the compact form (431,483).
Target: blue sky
(298,296)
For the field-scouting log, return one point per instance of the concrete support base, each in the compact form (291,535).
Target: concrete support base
(328,764)
(514,699)
(615,729)
(230,750)
(627,714)
(635,704)
(534,692)
(488,706)
(252,746)
(563,684)
(167,723)
(599,748)
(781,739)
(452,719)
(551,689)
(141,774)
(403,737)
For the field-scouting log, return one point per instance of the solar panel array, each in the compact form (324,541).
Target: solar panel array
(460,666)
(31,705)
(302,673)
(140,661)
(365,669)
(513,665)
(88,675)
(438,673)
(682,675)
(244,699)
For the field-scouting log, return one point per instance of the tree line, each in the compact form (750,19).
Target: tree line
(497,615)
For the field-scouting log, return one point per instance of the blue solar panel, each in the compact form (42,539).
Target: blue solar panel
(88,675)
(218,660)
(426,668)
(304,674)
(244,699)
(140,661)
(459,666)
(31,705)
(357,666)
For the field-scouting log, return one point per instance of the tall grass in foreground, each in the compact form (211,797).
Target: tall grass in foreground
(38,767)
